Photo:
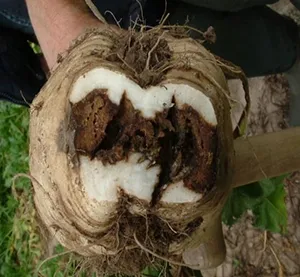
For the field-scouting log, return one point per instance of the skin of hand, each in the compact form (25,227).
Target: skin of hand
(57,23)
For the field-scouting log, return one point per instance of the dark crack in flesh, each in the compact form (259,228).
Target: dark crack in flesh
(179,140)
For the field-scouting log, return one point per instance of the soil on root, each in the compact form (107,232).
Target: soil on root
(179,140)
(145,54)
(138,241)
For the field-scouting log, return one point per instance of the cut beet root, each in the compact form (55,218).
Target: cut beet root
(177,141)
(139,154)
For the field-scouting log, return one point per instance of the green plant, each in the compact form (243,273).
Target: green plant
(266,200)
(35,47)
(15,241)
(21,249)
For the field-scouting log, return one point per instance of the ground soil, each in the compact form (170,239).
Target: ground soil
(251,252)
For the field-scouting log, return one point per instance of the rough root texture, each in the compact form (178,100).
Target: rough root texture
(125,235)
(146,55)
(151,232)
(180,141)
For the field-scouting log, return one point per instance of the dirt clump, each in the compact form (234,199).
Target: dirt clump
(147,56)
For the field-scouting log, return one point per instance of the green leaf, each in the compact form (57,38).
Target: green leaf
(237,263)
(241,199)
(271,214)
(35,47)
(266,199)
(151,272)
(233,209)
(243,126)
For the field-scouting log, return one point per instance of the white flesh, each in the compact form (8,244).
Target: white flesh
(178,193)
(103,183)
(148,101)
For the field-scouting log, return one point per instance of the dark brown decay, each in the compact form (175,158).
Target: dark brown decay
(179,140)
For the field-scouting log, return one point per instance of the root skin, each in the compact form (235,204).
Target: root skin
(110,234)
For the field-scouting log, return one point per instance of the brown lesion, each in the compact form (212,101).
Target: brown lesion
(179,140)
(92,116)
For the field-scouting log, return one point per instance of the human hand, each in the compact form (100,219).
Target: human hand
(57,23)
